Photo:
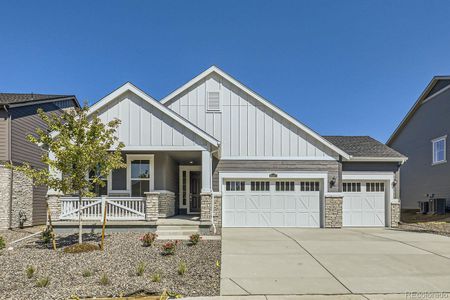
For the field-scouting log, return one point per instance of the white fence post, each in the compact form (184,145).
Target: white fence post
(102,214)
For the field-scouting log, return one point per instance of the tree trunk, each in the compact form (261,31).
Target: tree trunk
(80,224)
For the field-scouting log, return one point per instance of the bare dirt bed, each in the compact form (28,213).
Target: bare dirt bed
(118,263)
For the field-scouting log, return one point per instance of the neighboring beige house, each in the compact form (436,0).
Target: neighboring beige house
(215,149)
(20,200)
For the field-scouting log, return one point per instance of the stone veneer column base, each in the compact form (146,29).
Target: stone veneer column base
(152,206)
(333,211)
(395,213)
(205,207)
(53,200)
(217,215)
(166,204)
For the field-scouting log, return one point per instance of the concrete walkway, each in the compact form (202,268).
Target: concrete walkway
(351,263)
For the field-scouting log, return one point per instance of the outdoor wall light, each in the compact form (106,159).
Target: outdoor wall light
(332,181)
(394,183)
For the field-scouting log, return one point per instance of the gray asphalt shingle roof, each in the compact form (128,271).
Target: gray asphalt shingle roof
(362,146)
(13,98)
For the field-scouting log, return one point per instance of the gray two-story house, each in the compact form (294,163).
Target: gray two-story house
(20,200)
(422,136)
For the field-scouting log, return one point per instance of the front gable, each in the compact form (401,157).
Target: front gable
(148,125)
(248,126)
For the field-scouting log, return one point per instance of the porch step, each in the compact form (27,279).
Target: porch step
(176,232)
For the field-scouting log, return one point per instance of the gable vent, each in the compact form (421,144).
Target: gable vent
(213,101)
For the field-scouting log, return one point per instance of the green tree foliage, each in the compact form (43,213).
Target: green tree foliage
(74,144)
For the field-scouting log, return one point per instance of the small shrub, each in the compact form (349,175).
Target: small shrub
(156,277)
(148,239)
(104,280)
(80,248)
(195,238)
(140,269)
(2,243)
(182,268)
(86,273)
(43,282)
(169,248)
(46,235)
(30,271)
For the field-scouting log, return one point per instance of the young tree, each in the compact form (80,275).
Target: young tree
(79,144)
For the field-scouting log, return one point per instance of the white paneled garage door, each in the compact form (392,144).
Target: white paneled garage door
(364,203)
(271,203)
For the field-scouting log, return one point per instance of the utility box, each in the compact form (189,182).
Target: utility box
(424,207)
(437,206)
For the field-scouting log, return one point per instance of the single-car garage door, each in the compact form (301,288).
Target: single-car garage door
(271,203)
(364,203)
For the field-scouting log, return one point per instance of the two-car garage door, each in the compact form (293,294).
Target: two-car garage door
(271,203)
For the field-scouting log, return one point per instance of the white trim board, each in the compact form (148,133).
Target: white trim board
(280,175)
(149,157)
(132,88)
(214,69)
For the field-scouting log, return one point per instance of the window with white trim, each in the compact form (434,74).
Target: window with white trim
(375,187)
(309,186)
(235,186)
(351,187)
(140,177)
(284,186)
(260,186)
(97,188)
(439,150)
(213,101)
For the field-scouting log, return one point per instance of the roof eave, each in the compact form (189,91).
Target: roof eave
(134,89)
(401,159)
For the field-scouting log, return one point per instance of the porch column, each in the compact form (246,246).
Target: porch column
(206,193)
(206,171)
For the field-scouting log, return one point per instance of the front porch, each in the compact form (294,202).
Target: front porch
(156,188)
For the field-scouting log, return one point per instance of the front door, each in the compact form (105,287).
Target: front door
(195,187)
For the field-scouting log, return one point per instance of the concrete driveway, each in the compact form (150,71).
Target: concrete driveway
(293,261)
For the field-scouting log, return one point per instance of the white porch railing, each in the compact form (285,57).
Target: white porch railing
(117,208)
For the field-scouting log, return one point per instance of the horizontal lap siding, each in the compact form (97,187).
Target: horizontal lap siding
(419,176)
(24,122)
(333,168)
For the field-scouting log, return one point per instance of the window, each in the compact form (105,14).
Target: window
(213,101)
(351,187)
(284,186)
(309,186)
(97,189)
(235,185)
(375,187)
(259,186)
(140,177)
(439,149)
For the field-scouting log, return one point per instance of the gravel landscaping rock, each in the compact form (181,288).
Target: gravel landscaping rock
(15,234)
(441,228)
(119,262)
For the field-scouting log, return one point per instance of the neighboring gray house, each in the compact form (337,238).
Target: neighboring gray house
(215,148)
(422,136)
(19,198)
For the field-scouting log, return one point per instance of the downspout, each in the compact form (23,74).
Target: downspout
(11,178)
(212,194)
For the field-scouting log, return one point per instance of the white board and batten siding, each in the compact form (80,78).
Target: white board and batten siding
(246,128)
(143,125)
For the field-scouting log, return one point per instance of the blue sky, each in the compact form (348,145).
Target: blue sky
(340,67)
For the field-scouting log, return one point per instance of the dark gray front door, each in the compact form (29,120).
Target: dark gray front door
(195,187)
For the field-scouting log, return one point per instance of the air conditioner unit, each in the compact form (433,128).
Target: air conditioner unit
(437,206)
(424,207)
